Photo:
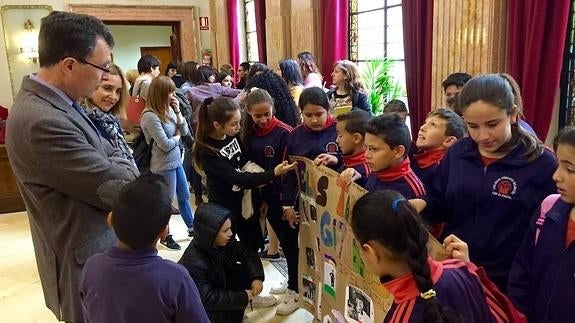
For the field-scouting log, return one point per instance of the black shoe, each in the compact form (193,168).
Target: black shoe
(191,232)
(170,243)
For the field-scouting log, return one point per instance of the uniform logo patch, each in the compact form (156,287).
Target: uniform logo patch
(504,187)
(269,152)
(331,147)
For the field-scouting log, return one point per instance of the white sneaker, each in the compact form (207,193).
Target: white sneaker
(279,289)
(289,303)
(263,301)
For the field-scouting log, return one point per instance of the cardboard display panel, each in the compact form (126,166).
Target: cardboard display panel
(334,284)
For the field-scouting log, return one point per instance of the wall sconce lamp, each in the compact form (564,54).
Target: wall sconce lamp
(30,43)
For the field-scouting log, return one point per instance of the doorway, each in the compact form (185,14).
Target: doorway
(185,18)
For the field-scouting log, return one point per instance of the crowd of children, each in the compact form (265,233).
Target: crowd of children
(474,174)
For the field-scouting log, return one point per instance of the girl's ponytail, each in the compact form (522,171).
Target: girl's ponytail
(416,256)
(202,131)
(212,110)
(388,218)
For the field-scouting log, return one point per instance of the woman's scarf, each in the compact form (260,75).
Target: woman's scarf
(109,128)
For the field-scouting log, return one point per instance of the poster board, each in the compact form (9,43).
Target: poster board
(334,284)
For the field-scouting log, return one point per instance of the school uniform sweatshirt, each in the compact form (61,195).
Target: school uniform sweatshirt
(222,161)
(308,143)
(426,163)
(542,278)
(489,207)
(398,178)
(457,288)
(138,286)
(267,147)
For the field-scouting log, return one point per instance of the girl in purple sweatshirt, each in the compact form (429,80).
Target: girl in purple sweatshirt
(393,247)
(542,278)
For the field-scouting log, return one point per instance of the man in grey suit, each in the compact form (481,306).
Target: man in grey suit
(68,175)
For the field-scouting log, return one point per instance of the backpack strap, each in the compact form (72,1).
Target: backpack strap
(546,205)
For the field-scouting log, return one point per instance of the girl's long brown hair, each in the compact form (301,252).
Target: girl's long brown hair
(158,94)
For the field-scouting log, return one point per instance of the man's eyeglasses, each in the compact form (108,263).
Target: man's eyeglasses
(105,68)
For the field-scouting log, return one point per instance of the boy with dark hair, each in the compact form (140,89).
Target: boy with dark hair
(398,107)
(441,129)
(452,86)
(350,138)
(130,282)
(387,141)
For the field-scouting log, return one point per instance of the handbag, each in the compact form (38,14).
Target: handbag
(136,105)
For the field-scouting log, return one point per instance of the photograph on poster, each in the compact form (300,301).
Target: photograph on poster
(329,277)
(310,257)
(309,291)
(358,306)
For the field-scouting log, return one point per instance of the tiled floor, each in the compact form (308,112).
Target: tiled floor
(21,298)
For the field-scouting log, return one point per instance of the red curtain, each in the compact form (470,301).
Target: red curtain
(335,31)
(535,44)
(234,39)
(417,32)
(260,10)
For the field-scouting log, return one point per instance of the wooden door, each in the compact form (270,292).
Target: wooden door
(163,53)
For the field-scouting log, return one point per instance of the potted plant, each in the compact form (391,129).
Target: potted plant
(380,86)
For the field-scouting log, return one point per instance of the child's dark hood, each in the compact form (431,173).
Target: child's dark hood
(207,223)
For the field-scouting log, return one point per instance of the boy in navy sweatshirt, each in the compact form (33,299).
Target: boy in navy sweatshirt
(130,282)
(387,140)
(441,129)
(350,138)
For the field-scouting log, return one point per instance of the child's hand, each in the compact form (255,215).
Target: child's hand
(291,216)
(347,176)
(456,247)
(257,287)
(418,204)
(325,159)
(284,167)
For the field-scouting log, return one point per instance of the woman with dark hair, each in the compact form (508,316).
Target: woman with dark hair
(348,90)
(174,71)
(291,74)
(309,71)
(149,68)
(285,108)
(204,89)
(256,68)
(225,79)
(490,183)
(393,246)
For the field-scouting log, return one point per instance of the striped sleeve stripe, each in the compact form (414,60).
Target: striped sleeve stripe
(415,184)
(495,308)
(403,312)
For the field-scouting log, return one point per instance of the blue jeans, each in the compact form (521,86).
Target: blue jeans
(178,185)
